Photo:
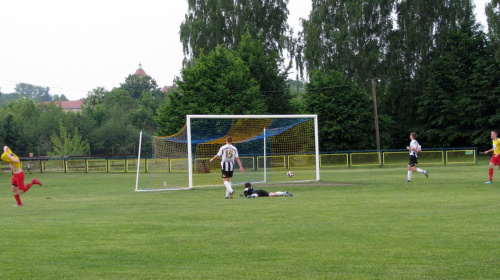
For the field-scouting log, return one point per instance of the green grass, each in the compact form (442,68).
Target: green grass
(94,226)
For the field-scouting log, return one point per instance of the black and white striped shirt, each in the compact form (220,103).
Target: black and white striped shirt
(229,153)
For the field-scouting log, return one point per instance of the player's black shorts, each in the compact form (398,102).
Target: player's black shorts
(261,193)
(227,174)
(413,161)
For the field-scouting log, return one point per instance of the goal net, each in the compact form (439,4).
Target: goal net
(268,145)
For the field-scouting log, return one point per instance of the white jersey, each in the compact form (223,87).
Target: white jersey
(414,145)
(229,153)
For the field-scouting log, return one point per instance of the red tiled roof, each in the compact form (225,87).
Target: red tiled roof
(69,105)
(140,71)
(167,88)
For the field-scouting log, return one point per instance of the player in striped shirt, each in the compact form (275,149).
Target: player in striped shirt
(414,148)
(229,154)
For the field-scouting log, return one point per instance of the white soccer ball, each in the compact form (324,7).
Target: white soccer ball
(289,174)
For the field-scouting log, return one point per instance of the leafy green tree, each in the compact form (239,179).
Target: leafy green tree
(209,24)
(457,105)
(113,130)
(149,98)
(68,145)
(351,37)
(143,116)
(10,133)
(36,93)
(419,27)
(49,117)
(115,136)
(264,66)
(343,109)
(137,85)
(493,14)
(297,92)
(61,97)
(95,97)
(217,83)
(120,99)
(21,118)
(116,116)
(347,36)
(5,98)
(93,106)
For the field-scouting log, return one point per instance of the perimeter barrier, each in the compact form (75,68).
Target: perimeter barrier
(343,159)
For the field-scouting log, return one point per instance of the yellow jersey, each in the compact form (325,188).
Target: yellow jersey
(496,146)
(17,164)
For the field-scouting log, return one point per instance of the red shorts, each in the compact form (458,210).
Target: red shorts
(495,160)
(18,180)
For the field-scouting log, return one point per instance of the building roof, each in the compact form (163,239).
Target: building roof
(140,71)
(69,105)
(168,88)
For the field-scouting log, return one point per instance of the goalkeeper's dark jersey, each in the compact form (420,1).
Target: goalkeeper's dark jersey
(250,191)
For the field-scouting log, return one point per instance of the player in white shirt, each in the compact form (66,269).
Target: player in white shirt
(229,154)
(414,148)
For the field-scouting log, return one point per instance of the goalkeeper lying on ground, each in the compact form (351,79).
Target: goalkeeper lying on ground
(252,193)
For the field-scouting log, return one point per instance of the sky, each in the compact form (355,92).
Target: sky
(76,46)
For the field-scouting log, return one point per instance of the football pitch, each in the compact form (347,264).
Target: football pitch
(358,223)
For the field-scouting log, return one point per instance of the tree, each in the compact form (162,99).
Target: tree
(36,93)
(209,24)
(21,119)
(95,97)
(10,133)
(458,106)
(264,66)
(149,98)
(343,109)
(67,145)
(351,37)
(347,36)
(217,83)
(493,14)
(47,123)
(61,97)
(111,111)
(419,27)
(5,98)
(143,116)
(297,93)
(137,85)
(115,136)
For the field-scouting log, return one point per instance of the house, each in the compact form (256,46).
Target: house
(168,88)
(69,106)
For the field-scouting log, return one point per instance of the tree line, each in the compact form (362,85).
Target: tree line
(436,73)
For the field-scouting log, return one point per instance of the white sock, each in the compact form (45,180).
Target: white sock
(409,175)
(420,170)
(228,187)
(280,193)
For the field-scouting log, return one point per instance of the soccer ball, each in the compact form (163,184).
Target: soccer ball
(289,174)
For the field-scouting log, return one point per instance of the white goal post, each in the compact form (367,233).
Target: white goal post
(268,145)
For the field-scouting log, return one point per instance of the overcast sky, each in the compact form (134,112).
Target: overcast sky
(76,46)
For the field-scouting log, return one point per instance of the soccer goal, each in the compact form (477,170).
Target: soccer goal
(268,145)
